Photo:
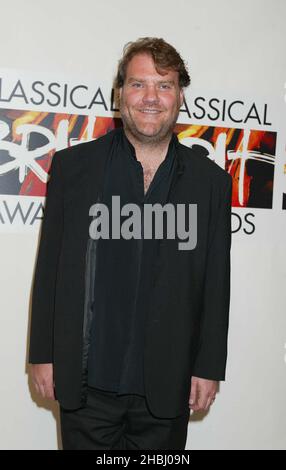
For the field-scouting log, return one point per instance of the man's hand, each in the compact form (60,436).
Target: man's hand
(203,393)
(42,377)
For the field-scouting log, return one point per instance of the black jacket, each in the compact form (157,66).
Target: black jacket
(187,324)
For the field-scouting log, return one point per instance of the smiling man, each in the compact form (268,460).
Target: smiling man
(127,333)
(150,102)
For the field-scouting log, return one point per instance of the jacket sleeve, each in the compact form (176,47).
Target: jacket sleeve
(43,296)
(210,362)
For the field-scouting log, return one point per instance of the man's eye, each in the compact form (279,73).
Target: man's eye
(165,86)
(136,85)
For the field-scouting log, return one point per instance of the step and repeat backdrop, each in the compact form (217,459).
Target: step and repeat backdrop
(38,116)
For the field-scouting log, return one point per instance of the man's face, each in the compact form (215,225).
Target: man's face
(149,102)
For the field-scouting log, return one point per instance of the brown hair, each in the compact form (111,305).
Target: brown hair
(163,54)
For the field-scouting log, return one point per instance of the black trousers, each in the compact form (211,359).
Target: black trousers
(121,422)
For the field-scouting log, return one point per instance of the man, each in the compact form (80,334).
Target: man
(130,333)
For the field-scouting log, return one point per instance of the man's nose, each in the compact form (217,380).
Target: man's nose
(150,94)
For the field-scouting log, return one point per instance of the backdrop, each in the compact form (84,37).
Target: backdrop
(58,62)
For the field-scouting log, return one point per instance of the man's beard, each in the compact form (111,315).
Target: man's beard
(163,134)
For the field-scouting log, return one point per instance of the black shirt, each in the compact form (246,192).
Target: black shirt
(123,275)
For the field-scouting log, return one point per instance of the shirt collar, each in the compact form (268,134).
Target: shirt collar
(129,148)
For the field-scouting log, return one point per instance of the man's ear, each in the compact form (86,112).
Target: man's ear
(181,97)
(117,96)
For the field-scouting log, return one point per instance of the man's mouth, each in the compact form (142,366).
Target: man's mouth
(150,111)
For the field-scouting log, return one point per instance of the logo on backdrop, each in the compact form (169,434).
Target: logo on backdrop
(29,138)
